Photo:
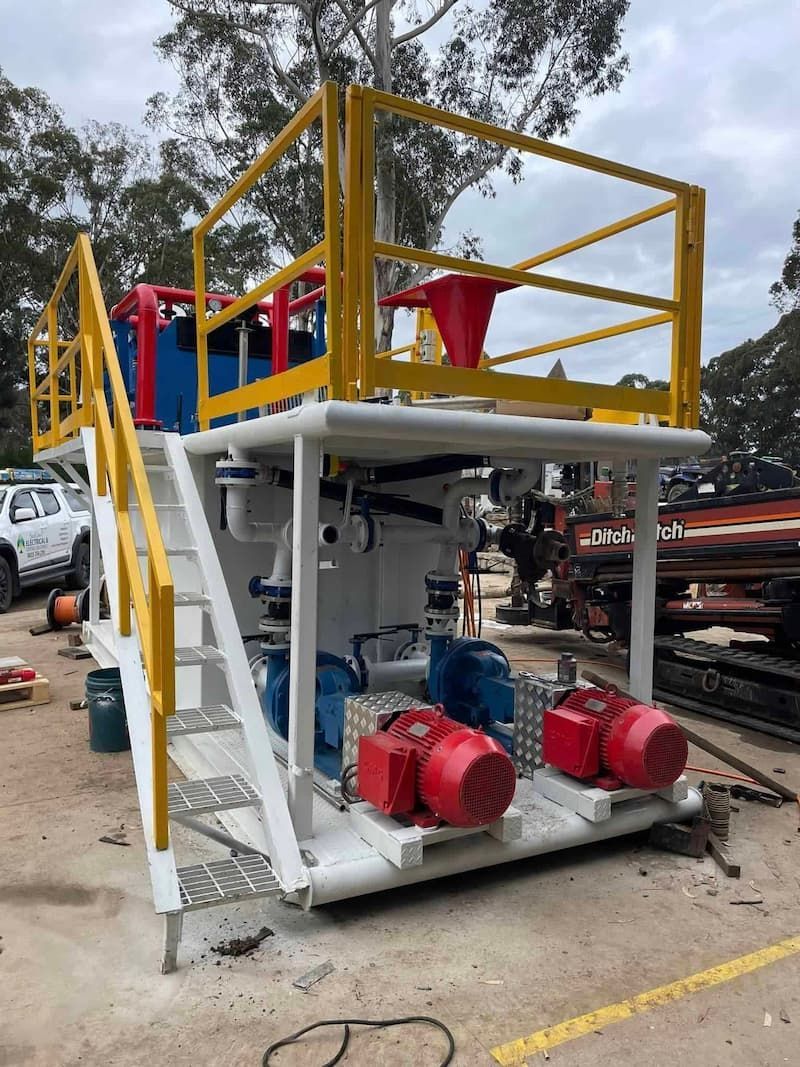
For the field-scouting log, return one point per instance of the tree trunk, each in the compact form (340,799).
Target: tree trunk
(385,202)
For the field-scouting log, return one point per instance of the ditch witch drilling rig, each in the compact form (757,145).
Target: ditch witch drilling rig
(728,555)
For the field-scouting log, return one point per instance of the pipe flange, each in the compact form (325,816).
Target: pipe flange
(441,583)
(233,472)
(363,538)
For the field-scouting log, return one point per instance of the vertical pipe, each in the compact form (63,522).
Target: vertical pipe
(198,253)
(645,547)
(244,353)
(280,330)
(303,642)
(146,342)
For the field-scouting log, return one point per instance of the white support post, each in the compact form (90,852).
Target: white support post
(95,575)
(645,549)
(173,929)
(303,648)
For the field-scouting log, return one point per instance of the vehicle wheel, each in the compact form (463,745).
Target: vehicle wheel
(676,491)
(79,576)
(6,585)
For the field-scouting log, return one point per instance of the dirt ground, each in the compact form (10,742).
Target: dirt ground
(495,955)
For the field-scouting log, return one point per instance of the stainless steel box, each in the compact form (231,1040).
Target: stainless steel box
(367,713)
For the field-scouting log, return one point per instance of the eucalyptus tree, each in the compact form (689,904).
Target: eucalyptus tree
(246,65)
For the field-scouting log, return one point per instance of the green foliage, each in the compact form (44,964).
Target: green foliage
(641,381)
(785,293)
(135,203)
(246,67)
(750,396)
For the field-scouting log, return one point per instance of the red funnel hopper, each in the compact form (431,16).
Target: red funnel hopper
(462,306)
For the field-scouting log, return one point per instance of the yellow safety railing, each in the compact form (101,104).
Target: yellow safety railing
(325,371)
(682,309)
(90,366)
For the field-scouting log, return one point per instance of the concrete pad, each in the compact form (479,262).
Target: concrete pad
(495,955)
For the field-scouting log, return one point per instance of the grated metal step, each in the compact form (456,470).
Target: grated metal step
(191,600)
(182,550)
(201,720)
(197,655)
(199,795)
(204,884)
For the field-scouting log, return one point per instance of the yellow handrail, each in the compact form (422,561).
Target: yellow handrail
(352,369)
(120,469)
(681,310)
(324,371)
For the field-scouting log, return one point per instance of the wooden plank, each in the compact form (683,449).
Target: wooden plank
(717,849)
(27,694)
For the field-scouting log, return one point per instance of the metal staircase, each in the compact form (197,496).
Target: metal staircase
(209,658)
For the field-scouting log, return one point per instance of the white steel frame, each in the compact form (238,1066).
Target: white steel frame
(344,863)
(367,431)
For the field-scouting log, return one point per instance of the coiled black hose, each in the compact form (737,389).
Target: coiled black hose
(426,1020)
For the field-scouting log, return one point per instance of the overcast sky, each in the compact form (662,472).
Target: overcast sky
(711,98)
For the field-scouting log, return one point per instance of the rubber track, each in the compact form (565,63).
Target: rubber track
(750,722)
(733,657)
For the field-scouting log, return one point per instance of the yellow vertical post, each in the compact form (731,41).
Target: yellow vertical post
(166,629)
(333,242)
(353,123)
(694,311)
(677,377)
(92,345)
(73,389)
(31,390)
(120,475)
(160,780)
(162,686)
(198,247)
(52,360)
(85,328)
(367,251)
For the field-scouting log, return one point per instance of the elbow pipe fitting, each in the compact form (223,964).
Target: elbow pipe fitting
(506,485)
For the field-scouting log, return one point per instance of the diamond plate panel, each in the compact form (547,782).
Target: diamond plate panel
(366,713)
(533,695)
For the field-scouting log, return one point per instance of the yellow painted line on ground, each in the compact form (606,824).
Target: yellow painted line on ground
(516,1052)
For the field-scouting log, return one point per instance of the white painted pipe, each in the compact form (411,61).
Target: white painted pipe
(558,830)
(242,527)
(414,428)
(395,674)
(404,533)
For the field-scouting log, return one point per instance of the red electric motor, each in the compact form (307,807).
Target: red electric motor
(434,769)
(614,740)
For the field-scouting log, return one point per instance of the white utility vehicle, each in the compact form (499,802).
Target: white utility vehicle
(44,534)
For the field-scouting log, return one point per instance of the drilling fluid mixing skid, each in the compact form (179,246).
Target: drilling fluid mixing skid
(281,517)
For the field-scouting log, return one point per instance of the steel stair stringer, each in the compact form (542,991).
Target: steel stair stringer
(161,862)
(280,839)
